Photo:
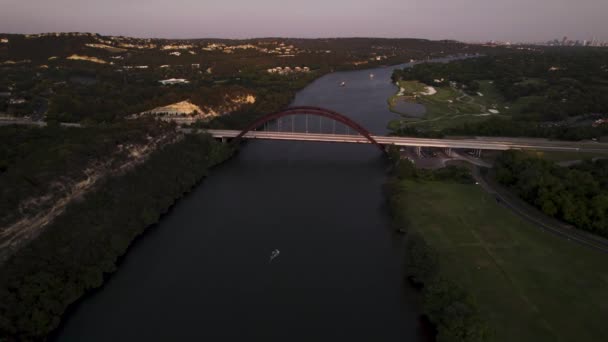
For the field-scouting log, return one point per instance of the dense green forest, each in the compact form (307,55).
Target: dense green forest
(111,79)
(546,85)
(39,282)
(576,194)
(505,127)
(452,310)
(101,95)
(124,81)
(338,53)
(521,128)
(38,161)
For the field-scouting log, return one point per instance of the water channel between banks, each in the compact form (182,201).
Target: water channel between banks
(203,272)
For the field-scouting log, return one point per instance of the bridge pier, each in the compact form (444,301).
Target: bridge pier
(478,153)
(418,151)
(448,151)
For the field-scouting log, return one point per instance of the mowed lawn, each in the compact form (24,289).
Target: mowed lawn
(531,285)
(449,107)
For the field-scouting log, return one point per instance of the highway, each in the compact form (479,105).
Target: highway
(18,121)
(486,143)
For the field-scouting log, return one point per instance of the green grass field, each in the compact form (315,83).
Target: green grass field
(530,285)
(410,87)
(449,107)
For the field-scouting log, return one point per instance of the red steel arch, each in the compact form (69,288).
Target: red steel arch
(313,111)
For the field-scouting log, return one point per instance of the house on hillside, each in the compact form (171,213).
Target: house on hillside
(16,101)
(172,81)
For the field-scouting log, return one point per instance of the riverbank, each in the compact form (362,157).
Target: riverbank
(208,260)
(526,283)
(444,105)
(488,100)
(509,199)
(449,310)
(42,280)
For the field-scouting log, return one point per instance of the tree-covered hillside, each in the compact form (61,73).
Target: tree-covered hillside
(81,77)
(548,85)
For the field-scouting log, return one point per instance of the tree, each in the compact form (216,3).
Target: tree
(422,261)
(454,313)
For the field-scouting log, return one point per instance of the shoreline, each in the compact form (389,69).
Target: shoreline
(83,281)
(107,276)
(72,308)
(422,268)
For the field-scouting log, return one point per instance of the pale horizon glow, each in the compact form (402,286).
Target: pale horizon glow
(464,20)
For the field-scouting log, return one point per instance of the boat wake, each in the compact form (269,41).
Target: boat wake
(274,254)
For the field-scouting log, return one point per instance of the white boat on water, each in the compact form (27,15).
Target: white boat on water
(371,75)
(274,254)
(342,84)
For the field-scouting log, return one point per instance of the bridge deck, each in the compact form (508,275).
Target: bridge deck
(499,144)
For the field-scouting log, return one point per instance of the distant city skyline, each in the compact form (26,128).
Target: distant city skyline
(464,20)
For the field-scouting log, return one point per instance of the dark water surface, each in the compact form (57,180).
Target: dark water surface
(203,272)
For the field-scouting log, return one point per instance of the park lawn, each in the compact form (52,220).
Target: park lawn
(438,105)
(449,107)
(411,87)
(530,285)
(407,91)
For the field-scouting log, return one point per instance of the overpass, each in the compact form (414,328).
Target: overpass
(286,130)
(495,144)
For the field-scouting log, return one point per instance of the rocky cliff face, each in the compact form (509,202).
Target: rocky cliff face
(186,112)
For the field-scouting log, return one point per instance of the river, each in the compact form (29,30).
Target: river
(203,272)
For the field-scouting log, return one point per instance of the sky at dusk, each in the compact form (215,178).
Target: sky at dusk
(467,20)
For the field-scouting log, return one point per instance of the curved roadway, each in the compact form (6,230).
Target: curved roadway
(538,218)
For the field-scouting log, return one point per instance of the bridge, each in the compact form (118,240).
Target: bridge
(273,128)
